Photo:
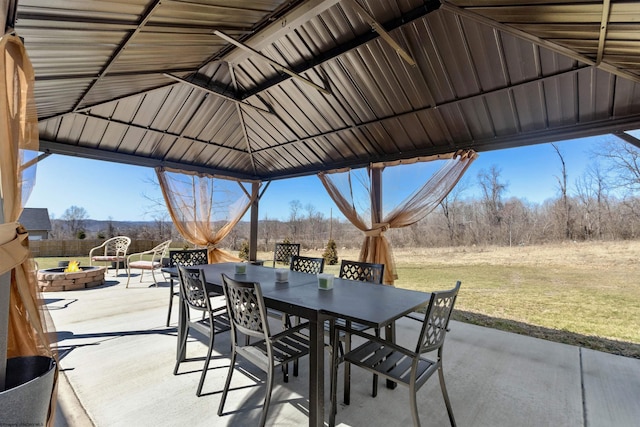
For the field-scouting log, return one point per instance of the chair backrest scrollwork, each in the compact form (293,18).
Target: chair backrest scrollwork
(193,289)
(362,271)
(188,258)
(436,319)
(307,264)
(246,307)
(283,252)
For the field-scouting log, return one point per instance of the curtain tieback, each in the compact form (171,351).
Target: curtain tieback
(377,230)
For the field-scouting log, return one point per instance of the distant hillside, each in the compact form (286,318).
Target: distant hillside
(94,226)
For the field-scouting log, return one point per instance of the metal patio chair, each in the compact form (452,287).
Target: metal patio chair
(283,252)
(362,272)
(194,296)
(247,310)
(184,258)
(150,260)
(111,250)
(306,264)
(302,264)
(399,364)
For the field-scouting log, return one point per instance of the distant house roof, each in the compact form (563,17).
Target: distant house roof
(35,219)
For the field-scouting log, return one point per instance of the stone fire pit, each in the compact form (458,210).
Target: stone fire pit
(55,279)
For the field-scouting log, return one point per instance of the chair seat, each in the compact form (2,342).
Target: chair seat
(145,265)
(396,363)
(343,323)
(221,323)
(287,346)
(108,258)
(390,361)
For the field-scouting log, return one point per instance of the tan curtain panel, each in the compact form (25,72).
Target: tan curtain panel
(27,335)
(344,187)
(204,208)
(19,147)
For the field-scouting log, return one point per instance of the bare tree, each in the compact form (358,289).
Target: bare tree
(75,217)
(295,218)
(451,209)
(623,160)
(268,229)
(492,194)
(564,198)
(315,221)
(592,194)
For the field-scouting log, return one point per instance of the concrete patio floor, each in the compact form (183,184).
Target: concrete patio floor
(117,359)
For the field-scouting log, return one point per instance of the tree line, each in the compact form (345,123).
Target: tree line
(602,204)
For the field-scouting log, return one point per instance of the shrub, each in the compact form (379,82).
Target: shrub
(330,254)
(244,251)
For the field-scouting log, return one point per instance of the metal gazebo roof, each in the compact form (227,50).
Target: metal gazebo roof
(260,89)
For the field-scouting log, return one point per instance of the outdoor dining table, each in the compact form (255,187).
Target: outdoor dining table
(371,304)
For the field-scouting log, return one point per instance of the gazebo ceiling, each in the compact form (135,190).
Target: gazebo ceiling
(268,89)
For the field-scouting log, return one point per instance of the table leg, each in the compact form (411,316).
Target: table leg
(390,334)
(316,371)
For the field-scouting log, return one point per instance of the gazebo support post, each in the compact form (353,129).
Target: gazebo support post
(253,232)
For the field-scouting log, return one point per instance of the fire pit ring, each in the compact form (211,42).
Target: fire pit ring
(55,279)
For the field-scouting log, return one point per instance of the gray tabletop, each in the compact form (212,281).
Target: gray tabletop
(368,303)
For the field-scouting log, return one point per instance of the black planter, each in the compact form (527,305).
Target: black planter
(29,384)
(119,264)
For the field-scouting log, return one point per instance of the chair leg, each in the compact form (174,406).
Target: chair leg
(170,302)
(183,346)
(374,386)
(414,403)
(153,275)
(445,394)
(347,370)
(286,324)
(227,383)
(334,382)
(128,276)
(212,337)
(267,398)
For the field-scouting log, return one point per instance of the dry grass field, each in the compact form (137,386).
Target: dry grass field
(580,293)
(585,294)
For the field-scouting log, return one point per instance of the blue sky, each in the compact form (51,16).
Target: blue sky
(122,192)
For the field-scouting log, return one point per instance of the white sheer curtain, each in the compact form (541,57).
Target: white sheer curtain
(204,208)
(353,193)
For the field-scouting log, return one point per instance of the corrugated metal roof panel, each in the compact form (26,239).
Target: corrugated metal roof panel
(487,75)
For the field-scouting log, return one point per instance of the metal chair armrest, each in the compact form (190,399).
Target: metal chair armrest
(371,337)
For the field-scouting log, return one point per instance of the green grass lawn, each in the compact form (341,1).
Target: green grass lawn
(567,305)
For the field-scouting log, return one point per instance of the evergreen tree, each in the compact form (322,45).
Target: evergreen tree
(244,251)
(330,254)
